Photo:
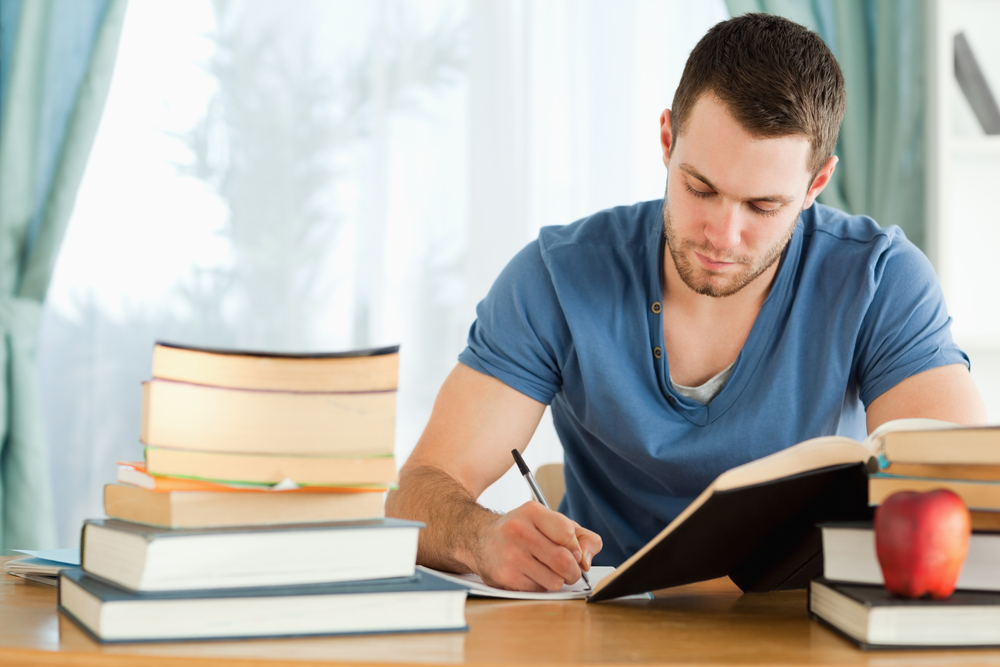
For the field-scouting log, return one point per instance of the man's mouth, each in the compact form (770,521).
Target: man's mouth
(713,264)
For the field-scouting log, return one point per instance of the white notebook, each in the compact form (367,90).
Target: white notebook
(577,591)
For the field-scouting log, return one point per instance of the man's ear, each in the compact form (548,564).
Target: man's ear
(665,137)
(821,181)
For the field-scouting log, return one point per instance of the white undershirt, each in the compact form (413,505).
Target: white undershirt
(706,392)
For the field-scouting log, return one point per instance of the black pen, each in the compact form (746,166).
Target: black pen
(536,493)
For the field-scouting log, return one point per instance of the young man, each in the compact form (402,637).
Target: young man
(676,339)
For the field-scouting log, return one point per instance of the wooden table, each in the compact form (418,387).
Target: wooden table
(705,624)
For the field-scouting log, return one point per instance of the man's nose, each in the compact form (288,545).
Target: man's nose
(723,229)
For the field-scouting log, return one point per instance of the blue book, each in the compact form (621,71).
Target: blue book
(421,603)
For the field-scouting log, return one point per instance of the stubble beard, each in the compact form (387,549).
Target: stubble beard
(696,278)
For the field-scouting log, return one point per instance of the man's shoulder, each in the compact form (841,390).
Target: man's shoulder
(830,223)
(856,248)
(612,227)
(851,241)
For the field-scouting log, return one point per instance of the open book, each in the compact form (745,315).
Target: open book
(756,523)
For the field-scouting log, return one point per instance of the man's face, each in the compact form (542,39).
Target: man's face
(732,200)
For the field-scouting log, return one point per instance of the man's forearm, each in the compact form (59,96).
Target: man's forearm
(454,519)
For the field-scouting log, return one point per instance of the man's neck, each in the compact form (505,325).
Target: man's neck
(702,334)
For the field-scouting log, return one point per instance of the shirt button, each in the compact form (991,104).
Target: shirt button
(671,400)
(656,307)
(657,352)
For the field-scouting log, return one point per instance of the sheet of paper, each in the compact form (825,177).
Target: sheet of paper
(37,578)
(577,591)
(68,556)
(35,566)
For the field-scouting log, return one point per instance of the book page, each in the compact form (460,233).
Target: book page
(827,450)
(818,452)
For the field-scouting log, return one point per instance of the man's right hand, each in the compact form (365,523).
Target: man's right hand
(533,548)
(466,446)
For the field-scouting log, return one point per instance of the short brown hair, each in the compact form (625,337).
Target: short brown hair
(775,76)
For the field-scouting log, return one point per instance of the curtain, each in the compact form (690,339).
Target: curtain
(881,47)
(56,61)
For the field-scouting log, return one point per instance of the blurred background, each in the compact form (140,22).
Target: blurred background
(321,175)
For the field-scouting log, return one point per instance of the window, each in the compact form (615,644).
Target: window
(329,175)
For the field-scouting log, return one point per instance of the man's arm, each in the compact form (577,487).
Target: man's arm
(945,392)
(477,420)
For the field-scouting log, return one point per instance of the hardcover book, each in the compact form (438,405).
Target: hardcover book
(976,494)
(357,370)
(183,415)
(214,508)
(379,471)
(145,558)
(849,557)
(757,523)
(420,603)
(974,446)
(874,618)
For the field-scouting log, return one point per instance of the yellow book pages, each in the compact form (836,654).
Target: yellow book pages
(975,495)
(210,509)
(985,473)
(191,416)
(963,446)
(270,469)
(361,370)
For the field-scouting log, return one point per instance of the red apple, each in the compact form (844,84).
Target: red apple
(922,540)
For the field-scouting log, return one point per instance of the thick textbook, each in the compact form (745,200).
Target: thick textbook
(422,602)
(976,494)
(849,557)
(756,523)
(874,618)
(378,471)
(985,473)
(974,445)
(213,508)
(183,415)
(356,370)
(145,558)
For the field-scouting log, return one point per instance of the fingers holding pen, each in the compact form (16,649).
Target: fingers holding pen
(579,542)
(590,544)
(534,548)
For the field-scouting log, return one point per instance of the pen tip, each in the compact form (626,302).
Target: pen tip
(521,465)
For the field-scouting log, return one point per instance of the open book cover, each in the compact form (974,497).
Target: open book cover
(756,523)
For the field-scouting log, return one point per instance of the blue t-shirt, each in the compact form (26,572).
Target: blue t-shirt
(573,321)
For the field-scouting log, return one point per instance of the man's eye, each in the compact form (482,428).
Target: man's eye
(764,211)
(698,193)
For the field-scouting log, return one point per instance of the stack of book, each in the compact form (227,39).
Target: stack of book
(851,597)
(258,510)
(298,437)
